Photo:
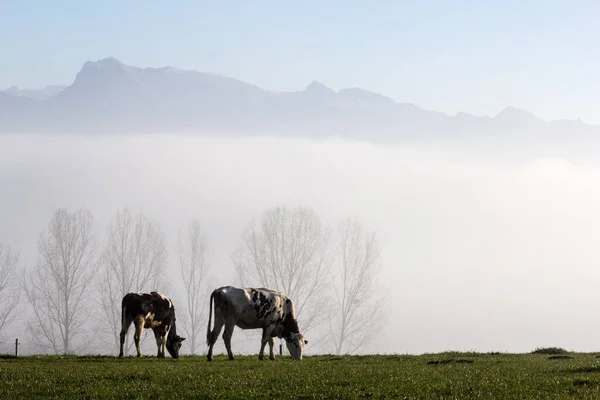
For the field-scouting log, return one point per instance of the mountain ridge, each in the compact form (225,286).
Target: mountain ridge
(109,95)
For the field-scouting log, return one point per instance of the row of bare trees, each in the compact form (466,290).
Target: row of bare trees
(328,274)
(329,279)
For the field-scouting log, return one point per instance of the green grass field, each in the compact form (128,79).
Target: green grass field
(431,376)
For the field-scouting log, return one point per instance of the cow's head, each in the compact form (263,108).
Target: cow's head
(295,344)
(174,344)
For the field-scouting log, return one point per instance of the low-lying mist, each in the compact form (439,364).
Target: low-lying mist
(477,255)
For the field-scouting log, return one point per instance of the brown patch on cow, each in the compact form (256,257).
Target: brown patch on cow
(149,321)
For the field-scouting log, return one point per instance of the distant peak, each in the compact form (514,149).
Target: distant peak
(93,72)
(512,110)
(514,113)
(105,63)
(13,90)
(318,87)
(109,61)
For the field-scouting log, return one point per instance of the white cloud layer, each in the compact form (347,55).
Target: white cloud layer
(477,255)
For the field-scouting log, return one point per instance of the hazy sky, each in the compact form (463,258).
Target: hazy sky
(476,255)
(475,56)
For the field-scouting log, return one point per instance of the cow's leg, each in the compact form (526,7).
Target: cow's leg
(263,342)
(124,328)
(271,344)
(214,334)
(227,338)
(158,340)
(139,329)
(161,340)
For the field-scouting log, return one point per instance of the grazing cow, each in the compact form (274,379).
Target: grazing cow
(151,310)
(250,308)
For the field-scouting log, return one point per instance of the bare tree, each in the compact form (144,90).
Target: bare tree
(193,261)
(358,314)
(10,298)
(135,259)
(288,250)
(59,286)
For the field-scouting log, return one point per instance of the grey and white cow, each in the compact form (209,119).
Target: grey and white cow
(254,308)
(150,310)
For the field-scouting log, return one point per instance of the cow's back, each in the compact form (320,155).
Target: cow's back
(251,307)
(136,304)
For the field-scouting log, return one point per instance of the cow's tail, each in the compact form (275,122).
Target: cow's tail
(123,315)
(210,313)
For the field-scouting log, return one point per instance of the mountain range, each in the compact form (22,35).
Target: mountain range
(110,97)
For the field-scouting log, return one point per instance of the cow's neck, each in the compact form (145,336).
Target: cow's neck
(172,332)
(290,325)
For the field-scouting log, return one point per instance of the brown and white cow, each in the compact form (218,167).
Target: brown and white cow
(254,308)
(150,310)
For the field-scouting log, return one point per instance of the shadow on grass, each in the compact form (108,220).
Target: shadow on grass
(584,370)
(449,361)
(337,358)
(584,382)
(560,358)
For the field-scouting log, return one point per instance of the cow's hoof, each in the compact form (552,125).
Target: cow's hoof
(272,358)
(231,358)
(260,358)
(209,359)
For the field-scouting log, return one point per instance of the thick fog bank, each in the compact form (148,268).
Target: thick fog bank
(479,253)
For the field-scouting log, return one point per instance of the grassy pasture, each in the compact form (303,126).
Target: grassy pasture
(430,376)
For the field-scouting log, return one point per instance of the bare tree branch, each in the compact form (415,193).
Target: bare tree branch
(194,265)
(58,286)
(10,297)
(358,315)
(288,250)
(135,259)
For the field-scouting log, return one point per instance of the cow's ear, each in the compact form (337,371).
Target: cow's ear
(181,339)
(305,341)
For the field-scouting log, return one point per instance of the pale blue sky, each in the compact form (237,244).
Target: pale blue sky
(477,56)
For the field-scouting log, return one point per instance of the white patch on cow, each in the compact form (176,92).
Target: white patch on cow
(149,320)
(165,298)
